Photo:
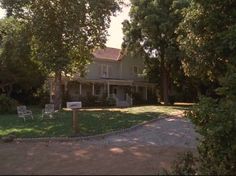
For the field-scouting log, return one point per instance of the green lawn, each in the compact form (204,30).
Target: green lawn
(91,121)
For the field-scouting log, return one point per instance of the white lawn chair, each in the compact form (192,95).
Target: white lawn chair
(49,111)
(24,113)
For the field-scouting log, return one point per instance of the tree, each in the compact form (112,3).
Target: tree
(152,29)
(207,37)
(208,40)
(17,69)
(64,32)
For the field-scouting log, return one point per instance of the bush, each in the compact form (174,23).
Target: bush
(215,121)
(172,99)
(137,99)
(184,165)
(110,101)
(90,100)
(7,104)
(87,101)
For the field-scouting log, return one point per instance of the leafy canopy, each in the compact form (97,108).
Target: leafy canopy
(208,40)
(208,34)
(16,65)
(64,32)
(152,29)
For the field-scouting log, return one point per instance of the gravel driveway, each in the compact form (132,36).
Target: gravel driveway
(145,150)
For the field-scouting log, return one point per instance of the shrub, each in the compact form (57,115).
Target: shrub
(137,99)
(215,121)
(7,104)
(172,99)
(91,100)
(110,101)
(186,164)
(87,101)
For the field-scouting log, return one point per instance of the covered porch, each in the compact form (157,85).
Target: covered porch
(124,92)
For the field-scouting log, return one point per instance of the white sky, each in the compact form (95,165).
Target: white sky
(1,13)
(115,31)
(115,37)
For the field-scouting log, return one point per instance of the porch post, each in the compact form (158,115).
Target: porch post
(93,89)
(80,88)
(108,89)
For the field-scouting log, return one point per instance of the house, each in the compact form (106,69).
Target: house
(115,76)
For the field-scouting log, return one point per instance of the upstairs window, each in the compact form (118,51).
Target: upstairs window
(105,71)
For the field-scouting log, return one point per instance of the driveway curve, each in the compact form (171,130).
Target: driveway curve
(145,150)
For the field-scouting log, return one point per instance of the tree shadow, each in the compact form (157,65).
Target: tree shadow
(89,123)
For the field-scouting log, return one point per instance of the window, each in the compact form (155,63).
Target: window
(105,71)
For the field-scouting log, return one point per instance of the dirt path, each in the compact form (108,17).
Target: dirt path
(142,151)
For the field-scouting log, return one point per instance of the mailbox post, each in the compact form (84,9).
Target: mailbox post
(75,121)
(75,106)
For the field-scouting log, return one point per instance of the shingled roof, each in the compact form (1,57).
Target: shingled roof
(108,54)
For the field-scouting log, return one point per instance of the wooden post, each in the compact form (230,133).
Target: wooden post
(80,88)
(93,90)
(75,121)
(108,89)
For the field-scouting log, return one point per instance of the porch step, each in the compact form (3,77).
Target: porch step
(122,104)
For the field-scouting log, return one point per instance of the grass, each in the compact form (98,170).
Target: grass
(91,121)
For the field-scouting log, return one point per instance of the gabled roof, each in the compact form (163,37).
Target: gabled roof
(108,53)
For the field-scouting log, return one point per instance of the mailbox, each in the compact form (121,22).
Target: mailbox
(74,105)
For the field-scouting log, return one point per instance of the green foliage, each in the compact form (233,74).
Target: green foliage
(137,98)
(88,101)
(42,95)
(186,164)
(64,33)
(7,105)
(152,30)
(215,121)
(19,73)
(110,101)
(207,37)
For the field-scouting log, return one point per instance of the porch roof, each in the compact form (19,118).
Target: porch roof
(116,82)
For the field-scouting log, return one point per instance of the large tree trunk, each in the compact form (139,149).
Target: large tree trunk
(58,91)
(165,83)
(166,87)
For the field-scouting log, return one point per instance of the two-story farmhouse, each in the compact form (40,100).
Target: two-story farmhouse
(112,75)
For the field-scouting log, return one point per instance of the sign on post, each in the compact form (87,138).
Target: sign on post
(75,106)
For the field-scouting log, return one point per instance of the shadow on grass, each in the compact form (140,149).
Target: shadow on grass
(90,123)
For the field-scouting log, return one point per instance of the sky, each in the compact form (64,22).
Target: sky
(115,31)
(115,37)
